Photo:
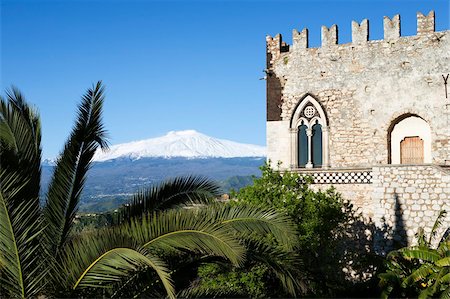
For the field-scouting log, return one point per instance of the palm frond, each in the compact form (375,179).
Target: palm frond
(72,165)
(11,274)
(192,230)
(286,265)
(116,263)
(20,273)
(88,259)
(446,279)
(174,192)
(194,291)
(247,219)
(420,252)
(387,282)
(20,148)
(446,293)
(421,273)
(426,293)
(444,262)
(437,224)
(103,258)
(20,156)
(421,238)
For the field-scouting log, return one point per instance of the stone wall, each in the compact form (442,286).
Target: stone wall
(363,87)
(405,198)
(357,194)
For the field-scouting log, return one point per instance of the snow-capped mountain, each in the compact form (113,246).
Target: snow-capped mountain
(188,144)
(49,162)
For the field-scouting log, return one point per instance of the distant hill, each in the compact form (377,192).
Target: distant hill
(127,168)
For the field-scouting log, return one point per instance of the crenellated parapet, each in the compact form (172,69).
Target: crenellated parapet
(360,31)
(425,24)
(360,35)
(391,27)
(329,36)
(275,46)
(300,39)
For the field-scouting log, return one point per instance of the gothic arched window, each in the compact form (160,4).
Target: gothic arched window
(316,144)
(302,145)
(309,138)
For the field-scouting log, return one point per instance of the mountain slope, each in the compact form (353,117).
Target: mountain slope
(126,168)
(187,144)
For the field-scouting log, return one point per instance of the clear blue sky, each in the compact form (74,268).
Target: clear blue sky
(167,65)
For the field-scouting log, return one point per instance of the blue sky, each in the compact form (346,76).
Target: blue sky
(167,65)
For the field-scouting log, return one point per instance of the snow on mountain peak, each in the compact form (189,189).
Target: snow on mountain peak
(184,133)
(187,143)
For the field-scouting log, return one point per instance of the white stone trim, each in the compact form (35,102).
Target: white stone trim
(410,126)
(305,101)
(296,122)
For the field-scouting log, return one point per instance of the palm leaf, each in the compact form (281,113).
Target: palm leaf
(20,156)
(72,165)
(247,219)
(20,143)
(192,230)
(420,252)
(421,273)
(11,274)
(421,238)
(171,193)
(426,293)
(437,224)
(21,273)
(100,258)
(118,262)
(387,282)
(446,278)
(446,293)
(285,265)
(103,258)
(444,262)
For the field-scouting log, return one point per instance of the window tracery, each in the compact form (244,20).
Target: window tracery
(309,135)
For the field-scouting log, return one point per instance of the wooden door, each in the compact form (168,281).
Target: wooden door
(411,150)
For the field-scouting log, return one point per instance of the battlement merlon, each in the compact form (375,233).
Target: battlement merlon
(360,34)
(329,36)
(300,39)
(425,24)
(391,27)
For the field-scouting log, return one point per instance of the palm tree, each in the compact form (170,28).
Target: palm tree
(422,270)
(41,254)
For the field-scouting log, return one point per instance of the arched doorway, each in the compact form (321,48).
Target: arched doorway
(409,140)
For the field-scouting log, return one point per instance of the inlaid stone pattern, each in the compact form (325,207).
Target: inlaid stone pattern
(351,177)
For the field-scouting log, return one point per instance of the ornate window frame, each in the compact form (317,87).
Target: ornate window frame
(296,119)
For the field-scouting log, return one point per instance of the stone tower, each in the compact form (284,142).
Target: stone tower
(370,117)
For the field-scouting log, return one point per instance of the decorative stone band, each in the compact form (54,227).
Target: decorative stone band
(350,176)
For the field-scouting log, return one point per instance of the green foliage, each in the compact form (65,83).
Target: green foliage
(317,214)
(20,224)
(247,282)
(325,224)
(176,192)
(419,271)
(235,183)
(125,254)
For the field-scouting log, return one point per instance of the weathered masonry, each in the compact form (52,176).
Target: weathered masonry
(370,117)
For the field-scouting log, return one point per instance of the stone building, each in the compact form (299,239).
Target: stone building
(370,117)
